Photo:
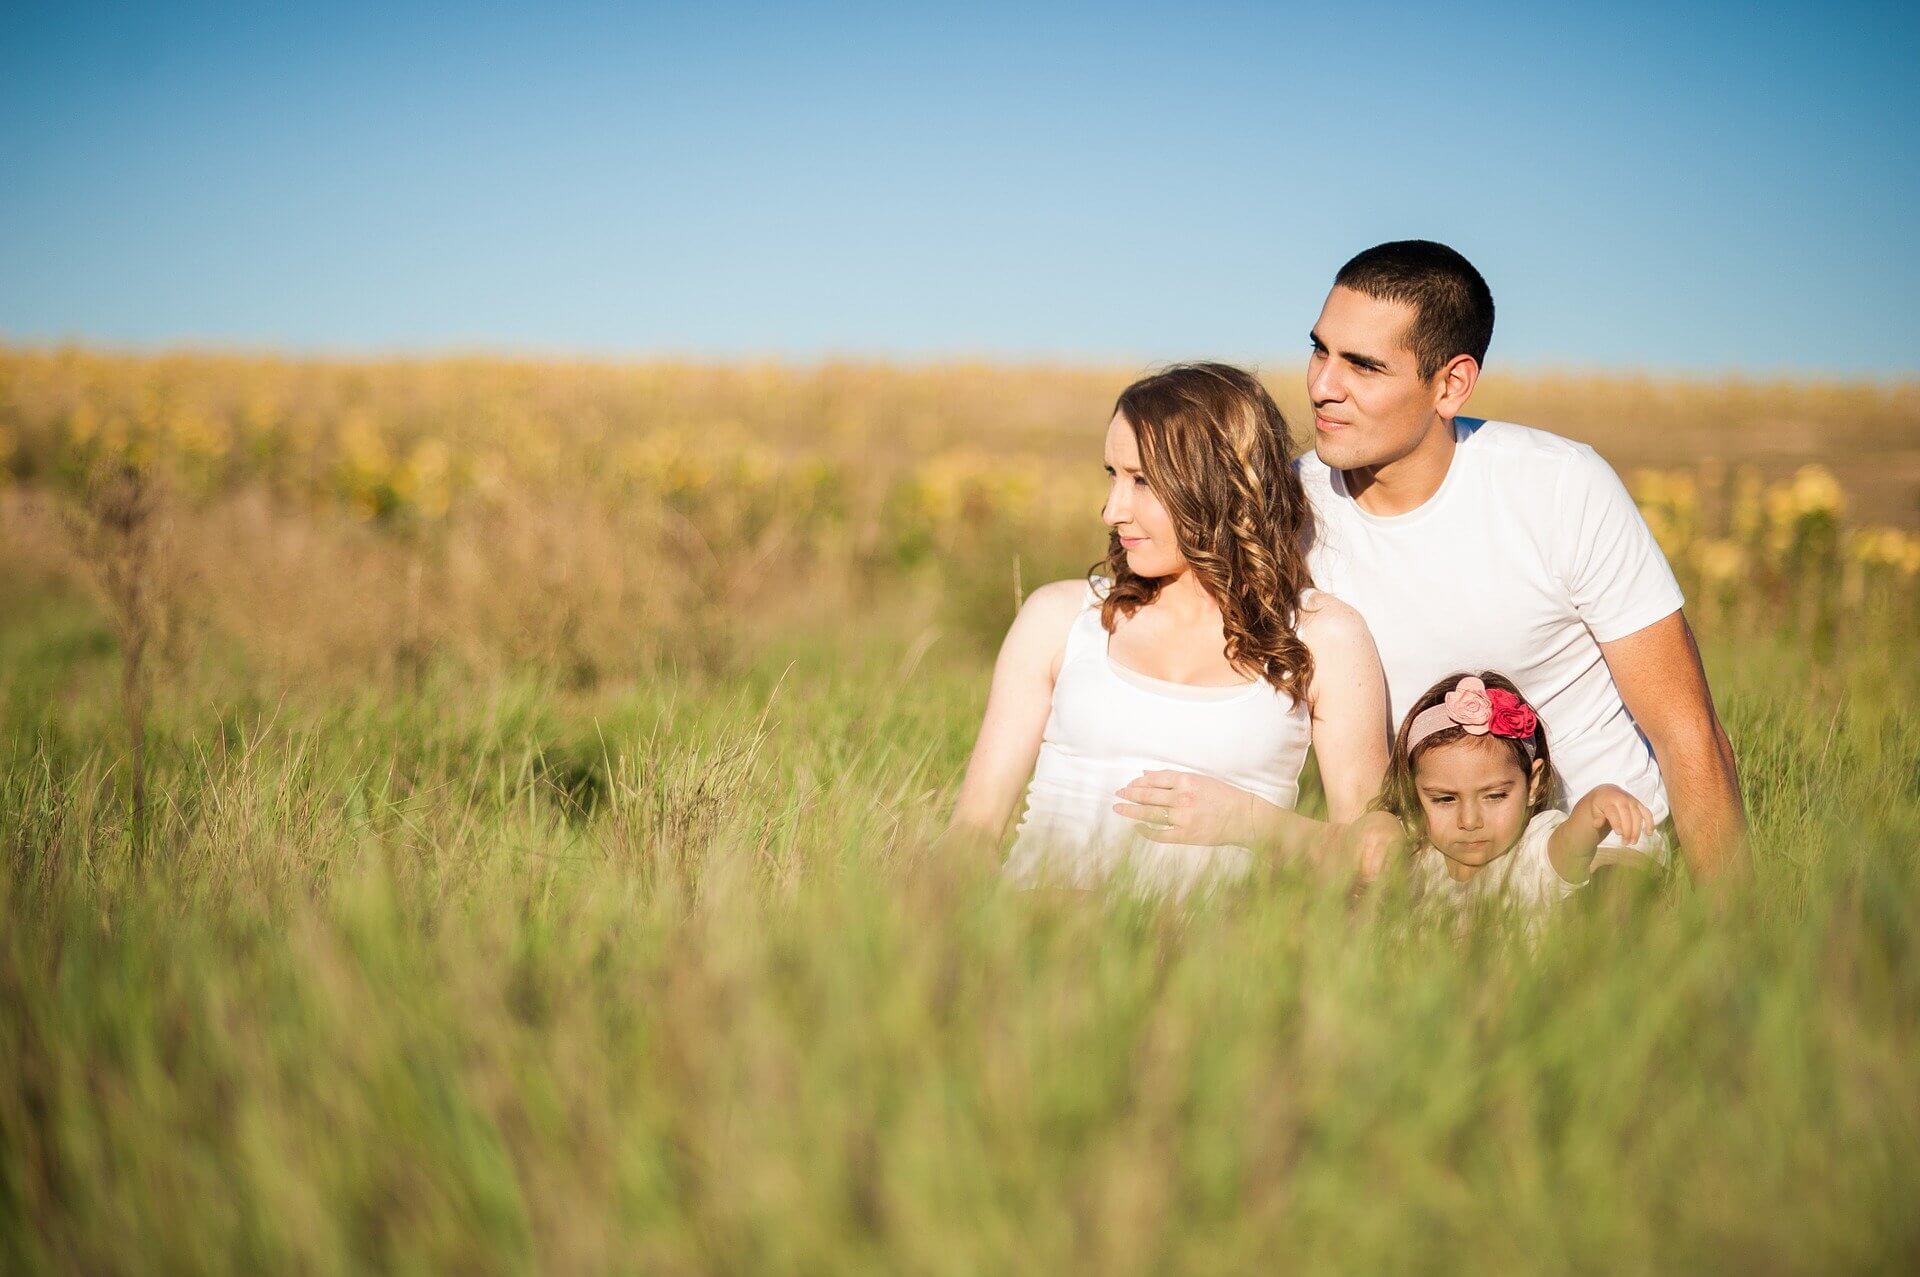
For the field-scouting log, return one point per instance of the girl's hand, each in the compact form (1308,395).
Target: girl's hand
(1611,807)
(1187,808)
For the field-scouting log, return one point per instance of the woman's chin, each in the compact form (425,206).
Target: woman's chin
(1146,563)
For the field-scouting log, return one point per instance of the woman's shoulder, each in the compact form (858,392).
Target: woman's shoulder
(1040,631)
(1329,620)
(1063,599)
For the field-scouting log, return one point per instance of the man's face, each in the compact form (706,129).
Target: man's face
(1371,406)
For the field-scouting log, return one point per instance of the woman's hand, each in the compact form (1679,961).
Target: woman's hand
(1372,842)
(1185,807)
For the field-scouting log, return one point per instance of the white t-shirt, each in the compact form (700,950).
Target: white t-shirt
(1529,556)
(1524,877)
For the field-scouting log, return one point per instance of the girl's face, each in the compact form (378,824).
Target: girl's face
(1474,796)
(1133,511)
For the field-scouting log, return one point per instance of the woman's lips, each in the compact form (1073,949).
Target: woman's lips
(1133,543)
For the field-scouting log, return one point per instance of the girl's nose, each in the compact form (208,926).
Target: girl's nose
(1469,815)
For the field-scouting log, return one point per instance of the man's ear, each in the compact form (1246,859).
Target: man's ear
(1453,385)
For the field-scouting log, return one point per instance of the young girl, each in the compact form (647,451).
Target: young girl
(1156,715)
(1472,783)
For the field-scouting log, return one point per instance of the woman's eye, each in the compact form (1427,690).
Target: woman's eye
(1139,482)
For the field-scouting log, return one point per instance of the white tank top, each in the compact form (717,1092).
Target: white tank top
(1108,724)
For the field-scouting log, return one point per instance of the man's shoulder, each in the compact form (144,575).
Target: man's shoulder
(1509,446)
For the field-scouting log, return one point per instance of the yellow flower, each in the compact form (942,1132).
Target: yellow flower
(1720,560)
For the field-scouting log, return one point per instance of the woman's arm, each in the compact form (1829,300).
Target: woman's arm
(1571,847)
(1350,727)
(1016,717)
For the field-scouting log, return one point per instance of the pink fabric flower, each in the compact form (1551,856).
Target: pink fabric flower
(1511,716)
(1468,705)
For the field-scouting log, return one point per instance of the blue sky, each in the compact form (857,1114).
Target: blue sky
(1708,188)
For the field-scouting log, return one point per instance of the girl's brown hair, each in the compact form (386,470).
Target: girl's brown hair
(1400,796)
(1214,448)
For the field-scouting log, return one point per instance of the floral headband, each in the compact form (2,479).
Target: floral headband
(1477,710)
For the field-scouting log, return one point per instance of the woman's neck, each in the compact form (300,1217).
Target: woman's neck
(1182,598)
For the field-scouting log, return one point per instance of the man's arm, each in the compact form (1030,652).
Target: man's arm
(1664,686)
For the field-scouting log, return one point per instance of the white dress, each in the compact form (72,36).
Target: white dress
(1524,878)
(1109,724)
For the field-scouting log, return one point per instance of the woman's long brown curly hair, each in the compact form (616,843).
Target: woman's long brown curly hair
(1215,450)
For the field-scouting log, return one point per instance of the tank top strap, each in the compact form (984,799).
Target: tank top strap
(1087,636)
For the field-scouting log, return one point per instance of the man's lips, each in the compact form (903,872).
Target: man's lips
(1328,423)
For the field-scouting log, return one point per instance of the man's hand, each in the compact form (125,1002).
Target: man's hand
(1372,842)
(1184,807)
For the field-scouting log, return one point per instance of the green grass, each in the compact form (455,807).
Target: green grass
(663,978)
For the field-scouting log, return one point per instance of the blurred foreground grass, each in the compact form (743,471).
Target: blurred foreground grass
(544,882)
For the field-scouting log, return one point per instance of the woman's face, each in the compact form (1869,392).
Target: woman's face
(1474,797)
(1133,511)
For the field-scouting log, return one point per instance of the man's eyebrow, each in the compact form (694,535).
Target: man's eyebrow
(1358,361)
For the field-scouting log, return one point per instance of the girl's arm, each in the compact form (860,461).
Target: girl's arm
(1349,704)
(1017,706)
(1570,848)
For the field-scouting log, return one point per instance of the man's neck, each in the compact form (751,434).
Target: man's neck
(1405,483)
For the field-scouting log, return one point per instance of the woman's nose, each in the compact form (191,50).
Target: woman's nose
(1114,512)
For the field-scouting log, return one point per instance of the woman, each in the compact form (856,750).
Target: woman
(1158,713)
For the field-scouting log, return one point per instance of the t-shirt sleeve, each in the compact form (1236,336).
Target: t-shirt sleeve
(1615,572)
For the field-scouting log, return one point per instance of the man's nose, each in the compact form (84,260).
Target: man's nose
(1325,385)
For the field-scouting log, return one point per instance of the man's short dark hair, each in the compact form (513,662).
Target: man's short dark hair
(1452,305)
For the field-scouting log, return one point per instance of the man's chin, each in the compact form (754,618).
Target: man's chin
(1337,448)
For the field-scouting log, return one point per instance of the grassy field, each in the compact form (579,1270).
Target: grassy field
(540,767)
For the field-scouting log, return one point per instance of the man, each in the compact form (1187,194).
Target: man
(1469,544)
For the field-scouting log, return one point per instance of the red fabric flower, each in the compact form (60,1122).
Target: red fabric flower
(1512,716)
